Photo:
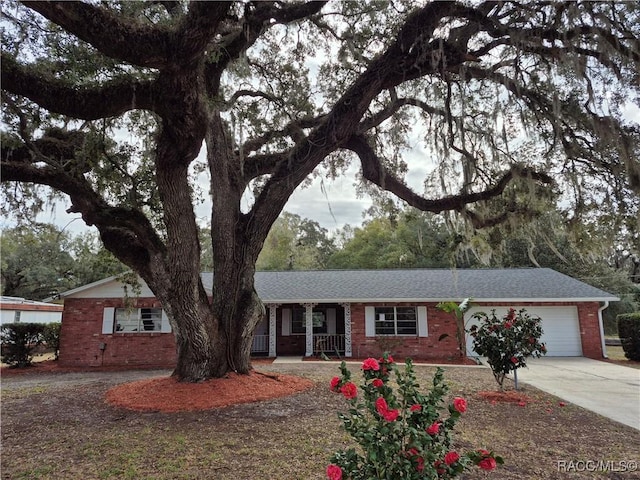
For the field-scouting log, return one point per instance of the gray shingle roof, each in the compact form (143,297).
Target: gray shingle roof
(535,284)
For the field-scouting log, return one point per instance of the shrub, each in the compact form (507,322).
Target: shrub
(18,342)
(629,333)
(51,337)
(402,435)
(507,342)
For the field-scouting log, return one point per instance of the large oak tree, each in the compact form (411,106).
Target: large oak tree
(511,100)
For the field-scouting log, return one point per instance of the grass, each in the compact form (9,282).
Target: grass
(52,429)
(616,354)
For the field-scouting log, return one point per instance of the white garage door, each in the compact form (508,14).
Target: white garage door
(560,326)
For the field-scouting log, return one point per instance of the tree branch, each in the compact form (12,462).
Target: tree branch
(87,103)
(107,31)
(126,231)
(375,172)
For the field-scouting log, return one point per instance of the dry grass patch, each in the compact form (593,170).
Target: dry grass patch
(59,427)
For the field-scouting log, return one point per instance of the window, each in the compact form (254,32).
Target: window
(138,320)
(396,321)
(16,317)
(299,322)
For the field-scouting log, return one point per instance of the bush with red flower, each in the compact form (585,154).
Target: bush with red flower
(402,433)
(507,342)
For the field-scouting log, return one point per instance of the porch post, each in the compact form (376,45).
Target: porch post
(273,307)
(347,329)
(309,328)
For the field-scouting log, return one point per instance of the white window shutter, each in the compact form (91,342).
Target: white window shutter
(165,327)
(286,322)
(370,321)
(423,330)
(107,320)
(331,321)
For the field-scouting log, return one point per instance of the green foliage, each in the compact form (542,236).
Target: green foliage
(507,342)
(41,260)
(402,433)
(629,332)
(295,243)
(51,337)
(408,239)
(18,342)
(35,261)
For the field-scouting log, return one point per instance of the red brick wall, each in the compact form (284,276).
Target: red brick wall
(418,348)
(590,330)
(81,336)
(82,326)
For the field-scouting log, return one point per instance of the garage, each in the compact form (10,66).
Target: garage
(560,326)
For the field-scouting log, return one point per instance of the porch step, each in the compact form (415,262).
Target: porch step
(288,360)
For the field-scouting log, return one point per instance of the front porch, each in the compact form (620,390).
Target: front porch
(304,329)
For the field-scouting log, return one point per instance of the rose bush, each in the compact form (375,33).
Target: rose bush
(402,433)
(508,341)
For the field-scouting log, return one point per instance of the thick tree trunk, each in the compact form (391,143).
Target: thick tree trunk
(212,340)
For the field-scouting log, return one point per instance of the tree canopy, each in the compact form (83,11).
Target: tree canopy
(111,103)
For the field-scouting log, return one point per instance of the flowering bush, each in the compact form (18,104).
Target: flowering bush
(402,433)
(508,341)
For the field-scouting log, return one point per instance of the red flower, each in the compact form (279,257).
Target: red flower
(381,405)
(377,383)
(349,390)
(483,452)
(507,325)
(434,428)
(487,463)
(460,404)
(451,457)
(335,382)
(562,404)
(420,464)
(522,404)
(371,364)
(391,415)
(334,472)
(388,360)
(415,407)
(514,360)
(383,409)
(439,470)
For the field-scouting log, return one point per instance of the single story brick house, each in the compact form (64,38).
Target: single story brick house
(356,313)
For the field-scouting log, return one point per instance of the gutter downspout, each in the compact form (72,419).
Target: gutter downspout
(600,324)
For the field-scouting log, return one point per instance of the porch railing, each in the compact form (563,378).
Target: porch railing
(328,343)
(260,344)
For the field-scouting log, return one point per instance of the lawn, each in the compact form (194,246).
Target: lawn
(59,427)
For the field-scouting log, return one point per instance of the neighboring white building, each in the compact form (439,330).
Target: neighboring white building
(19,310)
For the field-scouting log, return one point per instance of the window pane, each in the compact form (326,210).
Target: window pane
(298,321)
(151,319)
(407,328)
(127,320)
(319,322)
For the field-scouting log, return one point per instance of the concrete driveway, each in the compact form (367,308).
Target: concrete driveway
(605,388)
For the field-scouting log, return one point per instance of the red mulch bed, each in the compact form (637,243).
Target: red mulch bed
(510,396)
(166,394)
